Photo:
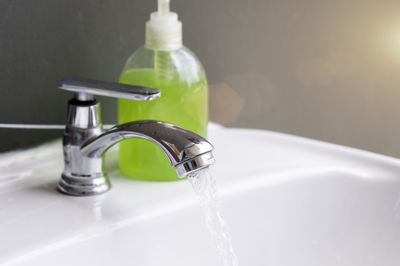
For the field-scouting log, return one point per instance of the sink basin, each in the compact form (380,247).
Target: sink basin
(286,200)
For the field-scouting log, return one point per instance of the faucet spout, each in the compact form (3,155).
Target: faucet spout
(186,151)
(84,172)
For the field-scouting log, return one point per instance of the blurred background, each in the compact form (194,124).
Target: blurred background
(328,70)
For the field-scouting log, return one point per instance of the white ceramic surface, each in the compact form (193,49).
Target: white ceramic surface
(288,201)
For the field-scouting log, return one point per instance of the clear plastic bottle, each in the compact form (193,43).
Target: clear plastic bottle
(163,63)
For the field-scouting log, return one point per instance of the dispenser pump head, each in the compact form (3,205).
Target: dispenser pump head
(163,30)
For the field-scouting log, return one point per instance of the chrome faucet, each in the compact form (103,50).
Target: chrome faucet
(85,141)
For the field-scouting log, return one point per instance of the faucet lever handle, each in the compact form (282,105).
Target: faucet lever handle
(85,89)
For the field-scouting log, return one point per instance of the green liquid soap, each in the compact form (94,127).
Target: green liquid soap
(165,64)
(183,102)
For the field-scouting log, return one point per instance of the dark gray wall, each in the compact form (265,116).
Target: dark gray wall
(43,41)
(317,68)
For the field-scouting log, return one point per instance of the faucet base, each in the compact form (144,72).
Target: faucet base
(83,186)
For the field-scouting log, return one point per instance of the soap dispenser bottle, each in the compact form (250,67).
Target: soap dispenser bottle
(162,63)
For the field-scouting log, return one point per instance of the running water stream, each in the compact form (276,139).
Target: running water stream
(205,187)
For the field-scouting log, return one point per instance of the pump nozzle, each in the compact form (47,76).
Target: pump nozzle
(163,30)
(163,6)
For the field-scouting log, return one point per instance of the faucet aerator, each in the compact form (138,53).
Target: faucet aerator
(197,163)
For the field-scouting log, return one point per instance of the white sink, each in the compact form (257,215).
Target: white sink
(288,201)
